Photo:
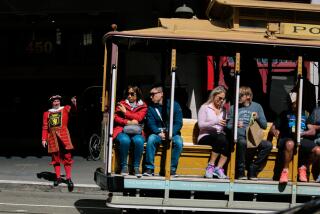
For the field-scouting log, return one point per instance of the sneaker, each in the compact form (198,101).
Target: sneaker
(124,171)
(318,179)
(284,176)
(252,173)
(209,171)
(219,172)
(303,174)
(70,185)
(57,181)
(148,172)
(137,172)
(241,176)
(173,173)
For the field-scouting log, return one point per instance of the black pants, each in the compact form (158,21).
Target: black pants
(262,152)
(218,141)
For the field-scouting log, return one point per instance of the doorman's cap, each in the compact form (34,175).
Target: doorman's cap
(54,97)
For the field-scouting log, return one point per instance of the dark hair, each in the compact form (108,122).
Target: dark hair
(157,85)
(136,90)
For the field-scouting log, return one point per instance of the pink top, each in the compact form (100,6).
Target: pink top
(208,121)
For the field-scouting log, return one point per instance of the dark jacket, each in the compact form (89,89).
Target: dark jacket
(154,123)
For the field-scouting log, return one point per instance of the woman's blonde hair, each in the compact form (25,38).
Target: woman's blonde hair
(245,90)
(214,92)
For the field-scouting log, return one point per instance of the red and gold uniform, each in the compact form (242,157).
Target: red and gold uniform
(55,128)
(55,132)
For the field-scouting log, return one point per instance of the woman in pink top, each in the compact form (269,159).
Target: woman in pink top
(212,122)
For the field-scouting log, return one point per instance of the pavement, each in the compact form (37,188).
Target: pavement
(34,173)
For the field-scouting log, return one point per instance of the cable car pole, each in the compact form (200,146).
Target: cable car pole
(235,125)
(168,146)
(105,108)
(114,62)
(298,132)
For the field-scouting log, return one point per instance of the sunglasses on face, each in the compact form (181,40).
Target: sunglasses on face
(131,94)
(154,93)
(221,98)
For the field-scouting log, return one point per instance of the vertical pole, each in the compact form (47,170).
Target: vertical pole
(298,126)
(169,141)
(235,128)
(103,104)
(235,122)
(269,79)
(173,78)
(298,132)
(114,61)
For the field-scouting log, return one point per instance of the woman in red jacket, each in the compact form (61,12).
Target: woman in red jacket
(129,116)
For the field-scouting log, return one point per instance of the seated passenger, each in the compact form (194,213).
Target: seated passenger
(130,111)
(158,124)
(212,122)
(284,127)
(247,109)
(314,124)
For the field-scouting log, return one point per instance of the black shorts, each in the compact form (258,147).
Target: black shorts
(306,144)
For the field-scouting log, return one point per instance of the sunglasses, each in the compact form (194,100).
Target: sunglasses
(221,98)
(154,93)
(131,94)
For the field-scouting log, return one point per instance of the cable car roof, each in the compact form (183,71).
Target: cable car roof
(204,30)
(205,33)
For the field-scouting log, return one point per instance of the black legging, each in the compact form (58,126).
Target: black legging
(218,142)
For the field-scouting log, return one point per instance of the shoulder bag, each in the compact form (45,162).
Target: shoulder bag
(132,129)
(254,135)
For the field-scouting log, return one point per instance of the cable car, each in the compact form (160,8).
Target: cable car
(176,53)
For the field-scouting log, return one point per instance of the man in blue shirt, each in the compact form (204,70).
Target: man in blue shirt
(158,124)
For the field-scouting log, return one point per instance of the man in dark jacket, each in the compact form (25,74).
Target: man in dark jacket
(158,125)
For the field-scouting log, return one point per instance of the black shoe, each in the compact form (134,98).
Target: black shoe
(173,173)
(253,173)
(148,172)
(241,175)
(70,185)
(57,181)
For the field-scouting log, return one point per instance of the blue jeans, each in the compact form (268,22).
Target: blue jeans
(152,144)
(124,145)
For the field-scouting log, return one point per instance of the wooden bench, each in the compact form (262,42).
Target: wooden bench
(194,158)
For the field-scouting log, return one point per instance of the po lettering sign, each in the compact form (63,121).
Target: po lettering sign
(293,29)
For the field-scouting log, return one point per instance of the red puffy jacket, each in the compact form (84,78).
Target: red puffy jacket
(121,119)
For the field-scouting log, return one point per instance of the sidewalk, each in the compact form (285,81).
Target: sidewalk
(35,173)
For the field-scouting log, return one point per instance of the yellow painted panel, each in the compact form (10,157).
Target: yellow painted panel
(295,29)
